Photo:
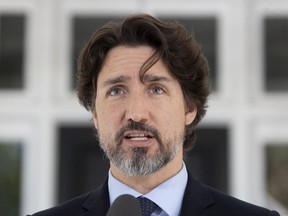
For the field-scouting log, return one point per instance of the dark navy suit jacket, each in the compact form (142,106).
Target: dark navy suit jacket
(199,200)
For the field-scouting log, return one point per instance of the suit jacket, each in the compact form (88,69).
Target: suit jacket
(199,200)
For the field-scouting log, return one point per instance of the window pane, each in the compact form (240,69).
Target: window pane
(83,28)
(83,167)
(277,173)
(276,54)
(205,32)
(11,51)
(10,178)
(208,161)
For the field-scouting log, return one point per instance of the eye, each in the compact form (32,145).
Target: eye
(115,91)
(157,90)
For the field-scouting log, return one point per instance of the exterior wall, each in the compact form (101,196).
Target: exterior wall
(256,118)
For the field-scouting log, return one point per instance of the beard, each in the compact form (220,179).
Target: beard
(136,161)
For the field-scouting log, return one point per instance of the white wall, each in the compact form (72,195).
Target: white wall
(253,116)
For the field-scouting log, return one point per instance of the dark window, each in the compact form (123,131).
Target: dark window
(205,32)
(208,161)
(10,178)
(83,167)
(276,54)
(277,172)
(83,28)
(11,51)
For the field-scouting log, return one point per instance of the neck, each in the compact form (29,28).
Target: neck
(144,184)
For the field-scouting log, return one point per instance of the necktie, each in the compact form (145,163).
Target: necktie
(147,206)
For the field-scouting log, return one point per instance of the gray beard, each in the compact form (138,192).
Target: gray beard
(136,162)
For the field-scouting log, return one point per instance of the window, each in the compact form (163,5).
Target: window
(205,32)
(82,166)
(83,28)
(10,178)
(277,172)
(12,51)
(208,161)
(276,54)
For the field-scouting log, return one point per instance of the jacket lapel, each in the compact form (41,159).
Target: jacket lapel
(197,199)
(98,202)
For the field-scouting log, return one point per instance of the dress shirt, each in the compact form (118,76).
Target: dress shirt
(168,195)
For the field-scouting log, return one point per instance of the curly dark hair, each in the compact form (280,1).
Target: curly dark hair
(172,43)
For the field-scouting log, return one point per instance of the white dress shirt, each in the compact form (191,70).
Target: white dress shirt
(168,195)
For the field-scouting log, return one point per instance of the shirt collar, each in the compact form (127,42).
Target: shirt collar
(172,189)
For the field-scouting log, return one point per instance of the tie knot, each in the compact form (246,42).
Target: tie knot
(147,206)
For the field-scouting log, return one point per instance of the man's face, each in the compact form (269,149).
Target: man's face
(140,125)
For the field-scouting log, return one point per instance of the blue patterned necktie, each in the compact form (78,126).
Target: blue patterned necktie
(147,206)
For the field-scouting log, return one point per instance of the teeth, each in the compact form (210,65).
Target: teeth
(137,137)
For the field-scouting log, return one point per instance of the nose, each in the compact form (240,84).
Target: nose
(137,108)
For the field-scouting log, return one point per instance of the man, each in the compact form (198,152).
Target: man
(146,84)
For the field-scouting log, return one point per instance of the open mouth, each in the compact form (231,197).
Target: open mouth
(137,136)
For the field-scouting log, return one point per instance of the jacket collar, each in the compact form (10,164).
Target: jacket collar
(197,198)
(97,203)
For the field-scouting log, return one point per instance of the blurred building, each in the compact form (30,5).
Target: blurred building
(48,150)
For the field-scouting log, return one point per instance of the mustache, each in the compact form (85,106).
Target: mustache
(141,126)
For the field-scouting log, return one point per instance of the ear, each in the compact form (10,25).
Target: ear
(95,121)
(190,115)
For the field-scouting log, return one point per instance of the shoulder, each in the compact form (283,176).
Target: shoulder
(232,206)
(71,207)
(214,202)
(96,201)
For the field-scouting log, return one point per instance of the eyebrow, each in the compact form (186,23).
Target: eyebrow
(147,78)
(155,78)
(116,80)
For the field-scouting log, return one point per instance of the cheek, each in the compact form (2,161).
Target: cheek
(173,119)
(107,118)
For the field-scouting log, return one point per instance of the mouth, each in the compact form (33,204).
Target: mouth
(137,136)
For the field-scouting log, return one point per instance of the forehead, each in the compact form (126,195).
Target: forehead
(121,52)
(128,60)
